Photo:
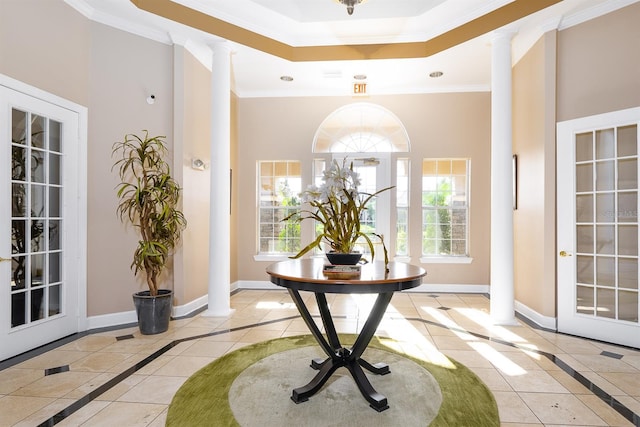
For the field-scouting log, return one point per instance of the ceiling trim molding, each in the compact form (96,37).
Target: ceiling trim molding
(287,30)
(491,21)
(594,12)
(81,7)
(341,92)
(119,23)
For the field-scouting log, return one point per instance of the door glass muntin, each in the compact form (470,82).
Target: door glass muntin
(36,222)
(606,177)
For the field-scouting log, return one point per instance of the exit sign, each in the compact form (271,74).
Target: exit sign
(359,88)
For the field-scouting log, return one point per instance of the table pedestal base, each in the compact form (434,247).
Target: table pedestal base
(340,356)
(328,366)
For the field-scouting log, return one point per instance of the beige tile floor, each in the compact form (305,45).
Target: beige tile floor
(529,388)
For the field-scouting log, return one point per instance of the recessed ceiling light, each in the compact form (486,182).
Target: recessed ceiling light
(360,77)
(286,78)
(436,74)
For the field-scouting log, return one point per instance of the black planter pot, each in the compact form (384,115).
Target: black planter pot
(337,258)
(153,313)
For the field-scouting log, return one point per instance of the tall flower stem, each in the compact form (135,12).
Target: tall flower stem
(338,206)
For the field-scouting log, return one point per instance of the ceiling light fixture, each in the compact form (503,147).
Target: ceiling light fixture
(436,74)
(286,78)
(350,4)
(360,77)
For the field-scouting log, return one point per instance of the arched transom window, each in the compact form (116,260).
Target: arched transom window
(361,128)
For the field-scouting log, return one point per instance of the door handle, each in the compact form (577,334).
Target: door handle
(4,259)
(564,253)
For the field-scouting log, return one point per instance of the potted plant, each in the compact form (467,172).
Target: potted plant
(149,202)
(338,207)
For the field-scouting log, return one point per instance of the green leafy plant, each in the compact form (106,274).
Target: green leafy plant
(338,208)
(149,199)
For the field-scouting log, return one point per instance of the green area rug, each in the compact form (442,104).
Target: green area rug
(258,380)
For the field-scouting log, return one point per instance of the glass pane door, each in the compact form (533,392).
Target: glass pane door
(42,219)
(606,173)
(36,218)
(597,227)
(374,175)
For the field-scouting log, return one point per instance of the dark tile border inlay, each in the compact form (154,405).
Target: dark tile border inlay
(78,404)
(56,370)
(604,396)
(612,355)
(124,337)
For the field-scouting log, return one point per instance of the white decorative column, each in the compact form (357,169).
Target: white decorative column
(502,309)
(220,197)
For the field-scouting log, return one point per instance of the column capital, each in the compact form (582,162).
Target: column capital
(503,34)
(220,46)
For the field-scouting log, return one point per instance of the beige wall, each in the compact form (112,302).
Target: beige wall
(439,125)
(587,69)
(534,144)
(124,69)
(112,72)
(599,65)
(192,111)
(456,125)
(47,45)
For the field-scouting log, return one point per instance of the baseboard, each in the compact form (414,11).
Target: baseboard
(450,289)
(190,307)
(535,317)
(111,320)
(257,284)
(128,317)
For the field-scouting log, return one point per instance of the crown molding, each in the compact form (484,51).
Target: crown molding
(345,92)
(126,25)
(594,12)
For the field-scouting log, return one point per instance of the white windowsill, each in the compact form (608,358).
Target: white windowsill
(446,260)
(281,257)
(272,257)
(423,260)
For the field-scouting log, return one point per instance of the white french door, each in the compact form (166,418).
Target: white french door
(41,220)
(597,191)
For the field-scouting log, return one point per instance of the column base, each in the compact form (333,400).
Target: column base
(504,321)
(218,312)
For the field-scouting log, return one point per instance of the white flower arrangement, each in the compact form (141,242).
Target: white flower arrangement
(338,206)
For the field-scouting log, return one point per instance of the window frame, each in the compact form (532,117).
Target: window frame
(444,257)
(276,177)
(404,206)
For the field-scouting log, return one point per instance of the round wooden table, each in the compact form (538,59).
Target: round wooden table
(373,278)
